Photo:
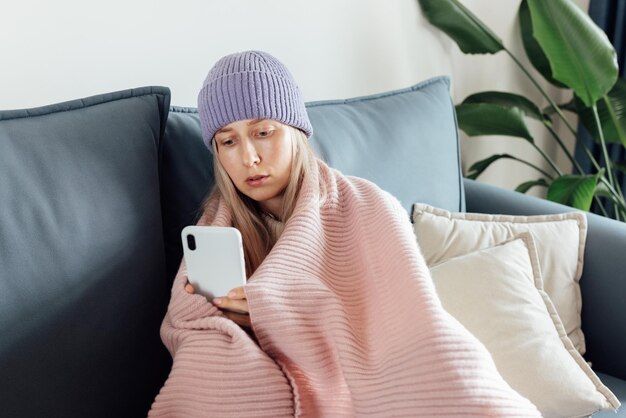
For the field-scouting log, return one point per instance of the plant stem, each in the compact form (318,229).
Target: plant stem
(535,167)
(548,159)
(619,202)
(564,148)
(556,108)
(618,126)
(573,131)
(601,206)
(620,133)
(607,160)
(576,165)
(543,92)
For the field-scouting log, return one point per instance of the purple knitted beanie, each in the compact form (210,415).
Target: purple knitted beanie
(249,85)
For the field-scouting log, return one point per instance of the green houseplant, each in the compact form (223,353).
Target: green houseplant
(569,50)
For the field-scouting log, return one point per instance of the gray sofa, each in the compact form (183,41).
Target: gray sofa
(94,193)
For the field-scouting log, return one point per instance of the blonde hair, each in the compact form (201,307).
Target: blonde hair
(246,212)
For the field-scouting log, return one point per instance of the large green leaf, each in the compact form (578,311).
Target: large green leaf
(574,190)
(507,100)
(580,54)
(527,185)
(490,119)
(533,50)
(470,34)
(479,166)
(617,98)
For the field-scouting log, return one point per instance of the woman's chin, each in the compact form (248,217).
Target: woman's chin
(258,194)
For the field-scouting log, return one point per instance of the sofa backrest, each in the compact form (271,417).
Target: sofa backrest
(82,280)
(405,141)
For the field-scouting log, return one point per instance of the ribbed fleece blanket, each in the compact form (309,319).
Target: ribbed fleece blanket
(347,320)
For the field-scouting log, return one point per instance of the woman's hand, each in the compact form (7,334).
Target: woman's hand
(234,305)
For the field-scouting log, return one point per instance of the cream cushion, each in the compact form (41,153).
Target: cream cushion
(497,294)
(560,242)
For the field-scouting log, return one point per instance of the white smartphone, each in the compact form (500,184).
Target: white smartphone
(214,258)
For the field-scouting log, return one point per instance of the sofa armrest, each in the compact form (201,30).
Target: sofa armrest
(603,283)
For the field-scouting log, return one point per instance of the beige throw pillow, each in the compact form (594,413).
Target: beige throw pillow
(560,242)
(497,294)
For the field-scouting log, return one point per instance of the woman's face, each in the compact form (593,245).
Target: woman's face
(253,148)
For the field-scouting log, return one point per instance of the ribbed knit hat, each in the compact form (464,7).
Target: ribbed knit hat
(249,85)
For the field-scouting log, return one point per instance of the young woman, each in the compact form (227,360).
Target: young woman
(259,167)
(339,302)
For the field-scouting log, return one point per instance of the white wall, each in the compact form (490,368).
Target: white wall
(57,51)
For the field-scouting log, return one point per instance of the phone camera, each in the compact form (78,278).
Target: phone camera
(191,242)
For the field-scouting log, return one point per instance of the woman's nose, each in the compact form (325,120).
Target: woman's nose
(250,156)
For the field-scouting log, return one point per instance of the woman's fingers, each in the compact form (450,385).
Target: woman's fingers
(234,306)
(237,293)
(235,301)
(189,288)
(237,305)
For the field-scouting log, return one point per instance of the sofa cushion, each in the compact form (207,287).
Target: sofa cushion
(390,138)
(405,141)
(82,283)
(602,283)
(497,294)
(560,238)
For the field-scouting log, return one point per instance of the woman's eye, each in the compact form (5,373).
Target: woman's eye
(264,133)
(227,142)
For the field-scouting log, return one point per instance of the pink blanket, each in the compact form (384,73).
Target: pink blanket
(347,320)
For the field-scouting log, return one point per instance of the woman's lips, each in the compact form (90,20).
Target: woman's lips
(257,182)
